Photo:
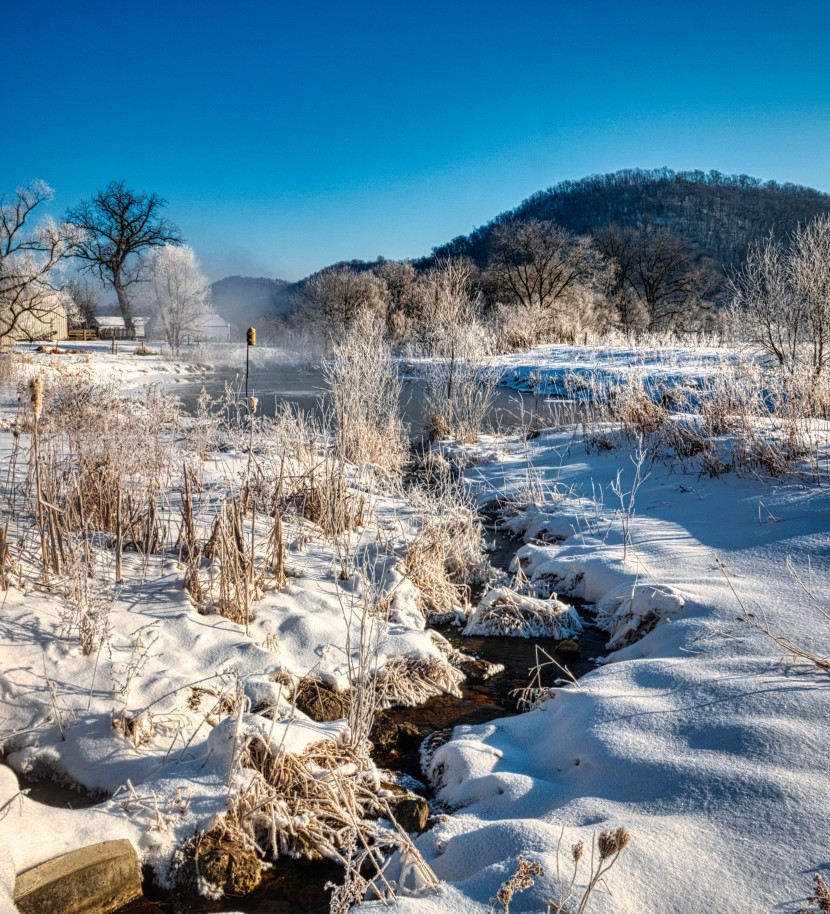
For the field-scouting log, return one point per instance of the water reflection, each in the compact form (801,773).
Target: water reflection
(303,384)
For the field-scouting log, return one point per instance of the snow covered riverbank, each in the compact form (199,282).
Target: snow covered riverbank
(699,734)
(251,561)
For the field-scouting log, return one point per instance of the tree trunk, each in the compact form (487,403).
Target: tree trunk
(126,306)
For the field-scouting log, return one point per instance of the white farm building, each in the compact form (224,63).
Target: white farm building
(46,320)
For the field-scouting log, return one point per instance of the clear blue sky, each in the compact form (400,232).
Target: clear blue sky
(289,135)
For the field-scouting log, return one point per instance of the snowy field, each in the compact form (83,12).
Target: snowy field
(702,734)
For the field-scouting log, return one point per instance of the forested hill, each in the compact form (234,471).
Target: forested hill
(719,214)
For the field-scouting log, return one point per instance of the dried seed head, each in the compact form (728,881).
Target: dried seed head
(576,851)
(36,390)
(612,842)
(522,879)
(254,403)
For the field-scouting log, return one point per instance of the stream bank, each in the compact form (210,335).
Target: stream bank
(298,886)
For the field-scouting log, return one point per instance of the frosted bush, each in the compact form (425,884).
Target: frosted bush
(505,612)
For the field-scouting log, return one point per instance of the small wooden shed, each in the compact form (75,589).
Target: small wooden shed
(113,327)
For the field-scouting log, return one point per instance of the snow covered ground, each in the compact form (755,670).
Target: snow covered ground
(134,691)
(556,370)
(700,734)
(96,361)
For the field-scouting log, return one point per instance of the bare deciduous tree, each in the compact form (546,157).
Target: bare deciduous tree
(619,246)
(176,292)
(539,268)
(664,276)
(655,283)
(120,225)
(28,259)
(333,298)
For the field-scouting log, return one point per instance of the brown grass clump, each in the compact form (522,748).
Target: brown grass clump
(446,555)
(407,683)
(300,805)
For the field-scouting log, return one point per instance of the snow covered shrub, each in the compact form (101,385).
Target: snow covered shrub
(505,612)
(88,604)
(407,682)
(365,393)
(629,612)
(9,369)
(461,385)
(109,458)
(203,436)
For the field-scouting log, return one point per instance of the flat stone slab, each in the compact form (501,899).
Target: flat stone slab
(97,879)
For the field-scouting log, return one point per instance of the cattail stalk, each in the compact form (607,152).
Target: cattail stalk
(36,391)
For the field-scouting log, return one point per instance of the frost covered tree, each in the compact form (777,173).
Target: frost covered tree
(770,313)
(460,383)
(809,268)
(365,395)
(176,292)
(405,299)
(120,225)
(333,298)
(29,257)
(783,293)
(81,298)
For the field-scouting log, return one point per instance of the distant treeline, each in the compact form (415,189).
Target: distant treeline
(634,251)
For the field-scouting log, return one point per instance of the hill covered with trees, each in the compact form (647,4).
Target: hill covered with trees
(719,214)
